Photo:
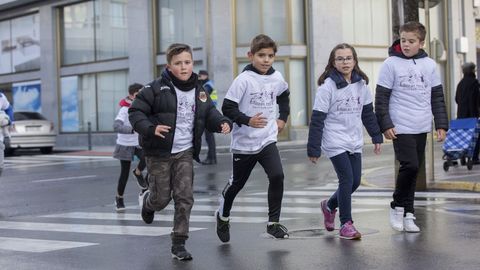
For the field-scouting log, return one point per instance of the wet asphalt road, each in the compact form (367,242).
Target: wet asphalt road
(56,212)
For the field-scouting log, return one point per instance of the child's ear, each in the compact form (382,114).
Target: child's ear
(422,43)
(250,55)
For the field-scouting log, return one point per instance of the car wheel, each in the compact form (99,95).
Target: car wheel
(46,150)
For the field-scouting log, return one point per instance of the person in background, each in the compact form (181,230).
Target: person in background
(6,120)
(209,136)
(468,100)
(127,148)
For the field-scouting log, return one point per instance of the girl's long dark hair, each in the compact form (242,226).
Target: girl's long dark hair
(331,61)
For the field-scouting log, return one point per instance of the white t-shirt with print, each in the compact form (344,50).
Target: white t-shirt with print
(254,94)
(183,137)
(411,82)
(126,139)
(343,130)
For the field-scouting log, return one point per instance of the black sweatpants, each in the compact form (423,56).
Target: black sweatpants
(243,165)
(409,151)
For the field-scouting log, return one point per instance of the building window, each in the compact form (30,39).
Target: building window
(20,44)
(94,31)
(366,22)
(92,98)
(282,20)
(180,21)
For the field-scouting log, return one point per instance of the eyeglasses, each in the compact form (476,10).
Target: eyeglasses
(348,59)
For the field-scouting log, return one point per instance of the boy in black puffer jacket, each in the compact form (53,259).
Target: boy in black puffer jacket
(170,115)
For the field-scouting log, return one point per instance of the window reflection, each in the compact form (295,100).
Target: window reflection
(94,30)
(20,44)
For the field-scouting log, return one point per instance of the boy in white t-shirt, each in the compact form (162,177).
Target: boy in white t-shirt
(251,103)
(408,92)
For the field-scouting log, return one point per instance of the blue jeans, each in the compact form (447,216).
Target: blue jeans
(349,171)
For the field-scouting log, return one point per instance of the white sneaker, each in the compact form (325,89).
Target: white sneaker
(409,224)
(140,198)
(396,218)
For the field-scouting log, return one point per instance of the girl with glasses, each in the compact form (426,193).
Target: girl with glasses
(343,105)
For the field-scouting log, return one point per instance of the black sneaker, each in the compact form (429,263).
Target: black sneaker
(277,230)
(141,181)
(180,253)
(223,229)
(147,215)
(119,205)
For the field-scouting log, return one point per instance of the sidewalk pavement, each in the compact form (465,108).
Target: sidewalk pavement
(380,174)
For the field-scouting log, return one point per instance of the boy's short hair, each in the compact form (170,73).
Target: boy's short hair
(176,49)
(134,87)
(414,27)
(261,42)
(203,72)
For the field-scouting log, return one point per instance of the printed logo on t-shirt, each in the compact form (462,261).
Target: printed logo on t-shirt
(348,105)
(186,108)
(263,99)
(413,81)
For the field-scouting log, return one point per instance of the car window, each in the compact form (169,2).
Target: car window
(18,116)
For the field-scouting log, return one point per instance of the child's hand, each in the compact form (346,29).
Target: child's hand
(377,148)
(257,121)
(441,134)
(390,134)
(281,125)
(225,128)
(161,129)
(313,159)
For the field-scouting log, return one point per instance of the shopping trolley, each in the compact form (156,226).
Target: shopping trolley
(460,142)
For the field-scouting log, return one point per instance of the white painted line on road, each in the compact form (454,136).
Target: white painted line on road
(159,217)
(453,213)
(93,229)
(296,200)
(17,166)
(261,209)
(80,157)
(64,178)
(38,245)
(444,195)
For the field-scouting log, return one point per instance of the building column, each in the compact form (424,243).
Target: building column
(140,41)
(50,82)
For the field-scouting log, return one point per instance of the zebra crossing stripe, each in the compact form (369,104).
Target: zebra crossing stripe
(437,195)
(38,245)
(159,217)
(93,229)
(316,201)
(261,209)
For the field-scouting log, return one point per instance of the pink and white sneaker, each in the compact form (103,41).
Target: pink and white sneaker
(348,231)
(328,216)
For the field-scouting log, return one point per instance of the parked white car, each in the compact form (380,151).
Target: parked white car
(31,130)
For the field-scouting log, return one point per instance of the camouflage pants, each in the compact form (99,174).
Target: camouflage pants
(172,178)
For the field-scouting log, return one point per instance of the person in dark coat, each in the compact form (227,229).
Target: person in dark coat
(170,115)
(468,99)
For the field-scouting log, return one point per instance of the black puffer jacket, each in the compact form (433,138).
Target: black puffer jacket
(156,104)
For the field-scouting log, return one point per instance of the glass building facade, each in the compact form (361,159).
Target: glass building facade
(73,60)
